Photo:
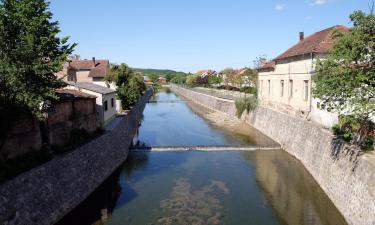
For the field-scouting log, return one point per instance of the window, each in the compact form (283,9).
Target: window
(290,88)
(282,88)
(112,102)
(306,90)
(269,87)
(105,105)
(261,88)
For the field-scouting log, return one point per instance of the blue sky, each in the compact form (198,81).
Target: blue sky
(188,35)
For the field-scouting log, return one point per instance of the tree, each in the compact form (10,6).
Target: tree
(30,54)
(345,81)
(229,76)
(191,80)
(119,74)
(259,61)
(130,92)
(215,80)
(129,85)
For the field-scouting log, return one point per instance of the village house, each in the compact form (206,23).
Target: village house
(106,105)
(285,82)
(147,80)
(206,73)
(162,80)
(89,71)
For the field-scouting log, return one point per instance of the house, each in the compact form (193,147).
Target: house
(206,73)
(162,80)
(147,80)
(89,71)
(106,105)
(285,82)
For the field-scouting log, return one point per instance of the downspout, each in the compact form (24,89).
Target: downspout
(310,86)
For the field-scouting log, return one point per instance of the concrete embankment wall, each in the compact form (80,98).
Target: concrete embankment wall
(345,175)
(45,194)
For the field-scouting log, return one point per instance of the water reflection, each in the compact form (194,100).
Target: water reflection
(293,192)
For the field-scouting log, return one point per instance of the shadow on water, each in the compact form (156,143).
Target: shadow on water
(113,193)
(292,191)
(99,205)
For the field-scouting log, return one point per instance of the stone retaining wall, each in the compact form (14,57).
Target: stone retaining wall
(345,175)
(45,194)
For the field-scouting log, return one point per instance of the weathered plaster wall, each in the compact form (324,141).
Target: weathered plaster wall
(346,177)
(45,194)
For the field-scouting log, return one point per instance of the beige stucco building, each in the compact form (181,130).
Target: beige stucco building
(106,103)
(285,82)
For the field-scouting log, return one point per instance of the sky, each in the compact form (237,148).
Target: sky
(190,35)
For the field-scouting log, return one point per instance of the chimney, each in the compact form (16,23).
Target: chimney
(301,36)
(93,61)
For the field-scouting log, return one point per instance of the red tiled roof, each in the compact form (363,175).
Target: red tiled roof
(319,42)
(101,68)
(267,65)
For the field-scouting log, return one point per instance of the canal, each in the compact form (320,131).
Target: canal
(264,187)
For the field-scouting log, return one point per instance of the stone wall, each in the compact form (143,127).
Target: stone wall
(45,194)
(344,174)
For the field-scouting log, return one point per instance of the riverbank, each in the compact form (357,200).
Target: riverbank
(45,194)
(345,175)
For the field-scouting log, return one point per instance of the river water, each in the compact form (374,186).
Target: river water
(265,187)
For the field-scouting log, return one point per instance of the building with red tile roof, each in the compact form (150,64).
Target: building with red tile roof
(91,71)
(285,82)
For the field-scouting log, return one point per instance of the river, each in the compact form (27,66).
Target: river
(265,187)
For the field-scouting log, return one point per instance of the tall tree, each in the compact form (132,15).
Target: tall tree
(345,81)
(30,54)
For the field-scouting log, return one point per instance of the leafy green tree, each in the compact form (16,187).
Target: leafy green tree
(215,80)
(130,86)
(30,53)
(345,81)
(119,74)
(191,80)
(130,92)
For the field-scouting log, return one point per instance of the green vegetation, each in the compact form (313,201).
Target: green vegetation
(215,80)
(191,80)
(30,53)
(345,81)
(179,79)
(154,74)
(130,86)
(247,104)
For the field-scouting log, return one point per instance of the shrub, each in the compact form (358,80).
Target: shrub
(367,144)
(247,103)
(350,129)
(249,90)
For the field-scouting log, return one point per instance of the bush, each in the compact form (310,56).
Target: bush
(367,144)
(191,80)
(247,103)
(350,129)
(249,90)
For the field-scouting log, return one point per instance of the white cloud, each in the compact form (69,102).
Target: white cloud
(280,7)
(319,2)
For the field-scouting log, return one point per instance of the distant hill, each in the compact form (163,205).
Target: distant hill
(157,72)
